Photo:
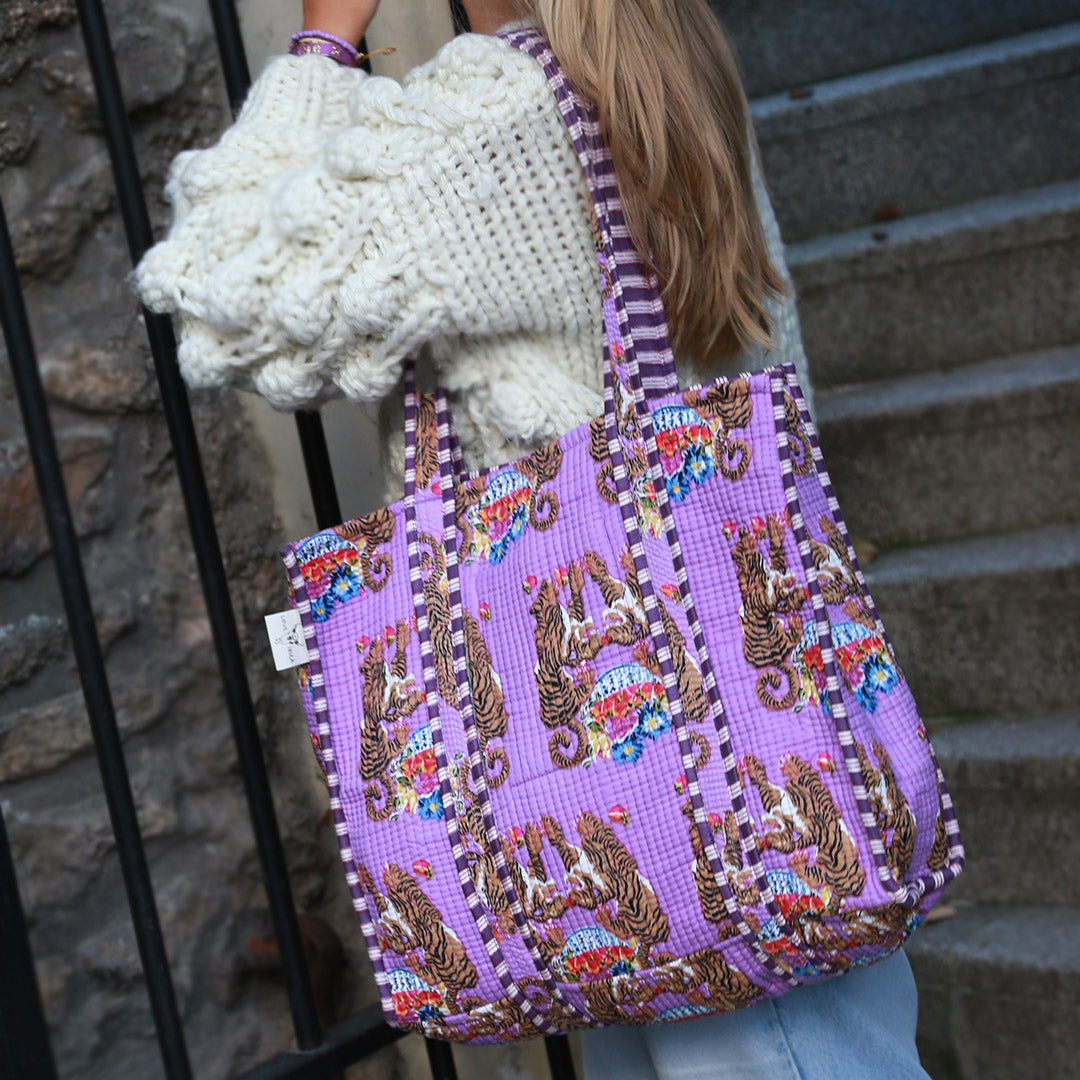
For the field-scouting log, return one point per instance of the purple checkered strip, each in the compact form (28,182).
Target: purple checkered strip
(302,605)
(643,294)
(935,879)
(444,424)
(453,830)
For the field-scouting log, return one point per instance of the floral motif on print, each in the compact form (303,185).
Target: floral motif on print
(695,441)
(415,1002)
(593,953)
(415,776)
(495,510)
(626,707)
(687,447)
(412,929)
(770,614)
(339,564)
(485,684)
(864,662)
(635,459)
(580,707)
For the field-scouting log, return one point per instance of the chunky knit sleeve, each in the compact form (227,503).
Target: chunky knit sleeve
(344,220)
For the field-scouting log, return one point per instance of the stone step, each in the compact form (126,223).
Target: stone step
(998,993)
(987,448)
(928,133)
(790,43)
(986,627)
(1014,782)
(995,277)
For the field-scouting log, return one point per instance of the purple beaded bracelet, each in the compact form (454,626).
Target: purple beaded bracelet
(323,43)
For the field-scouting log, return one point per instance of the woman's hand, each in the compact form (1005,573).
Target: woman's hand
(348,19)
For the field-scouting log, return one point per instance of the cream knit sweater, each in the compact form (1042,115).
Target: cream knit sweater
(346,220)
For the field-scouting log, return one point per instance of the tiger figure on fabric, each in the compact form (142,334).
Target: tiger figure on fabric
(412,926)
(372,530)
(567,642)
(742,887)
(540,897)
(799,448)
(772,599)
(601,871)
(895,818)
(484,869)
(836,575)
(489,708)
(627,624)
(803,815)
(389,697)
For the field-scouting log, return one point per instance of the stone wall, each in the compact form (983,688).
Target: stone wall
(57,190)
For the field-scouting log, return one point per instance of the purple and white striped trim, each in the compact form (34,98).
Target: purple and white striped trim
(618,321)
(302,604)
(644,305)
(912,892)
(453,829)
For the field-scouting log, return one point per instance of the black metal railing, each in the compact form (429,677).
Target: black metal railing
(25,1052)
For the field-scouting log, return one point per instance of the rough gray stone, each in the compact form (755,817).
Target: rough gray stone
(1013,783)
(925,134)
(27,645)
(984,449)
(100,380)
(85,456)
(792,43)
(938,290)
(985,626)
(998,990)
(38,738)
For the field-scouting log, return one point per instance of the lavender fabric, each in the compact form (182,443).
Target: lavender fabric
(613,734)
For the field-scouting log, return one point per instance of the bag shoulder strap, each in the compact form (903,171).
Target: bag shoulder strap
(641,292)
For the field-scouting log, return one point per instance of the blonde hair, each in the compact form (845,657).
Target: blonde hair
(674,112)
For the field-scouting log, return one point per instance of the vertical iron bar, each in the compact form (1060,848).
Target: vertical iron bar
(320,474)
(24,1036)
(560,1061)
(441,1059)
(204,536)
(87,649)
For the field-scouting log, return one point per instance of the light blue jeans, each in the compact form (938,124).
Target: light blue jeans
(858,1026)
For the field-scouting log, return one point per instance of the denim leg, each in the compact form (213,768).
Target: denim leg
(616,1053)
(858,1025)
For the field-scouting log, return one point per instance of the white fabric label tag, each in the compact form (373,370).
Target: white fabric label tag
(286,633)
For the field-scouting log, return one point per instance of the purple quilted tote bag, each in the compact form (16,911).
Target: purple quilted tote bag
(613,734)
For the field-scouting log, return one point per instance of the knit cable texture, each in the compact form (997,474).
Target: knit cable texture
(346,220)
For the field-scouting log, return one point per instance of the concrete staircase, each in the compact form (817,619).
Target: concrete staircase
(924,160)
